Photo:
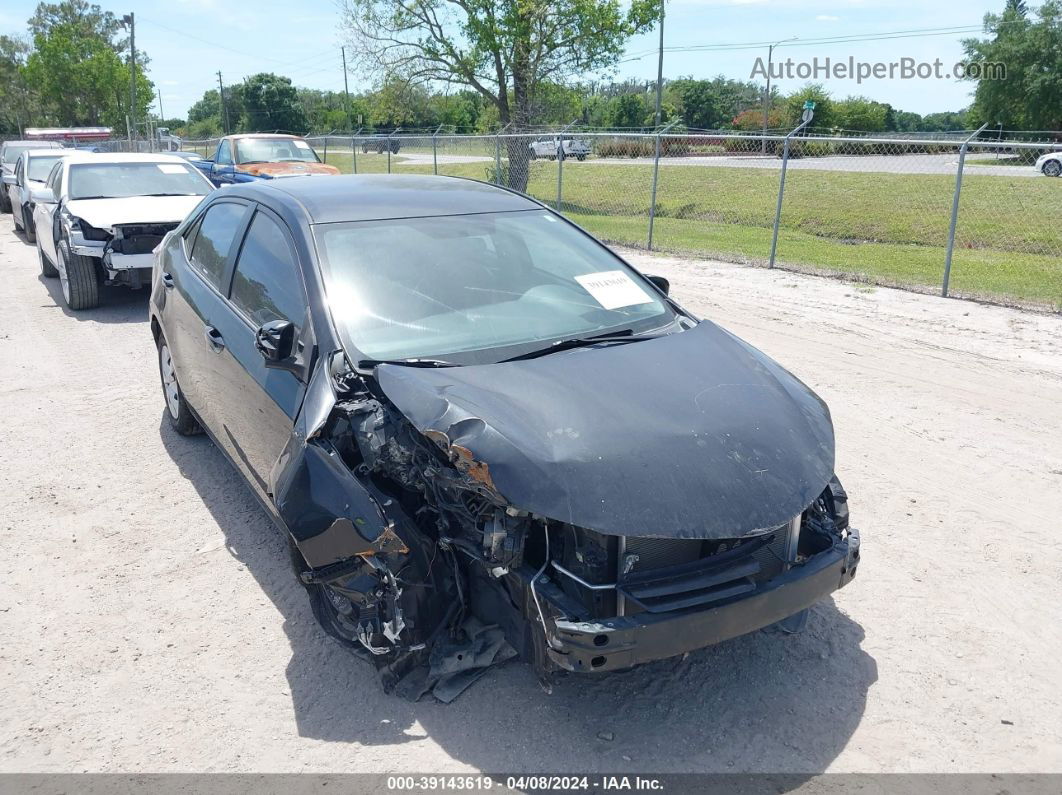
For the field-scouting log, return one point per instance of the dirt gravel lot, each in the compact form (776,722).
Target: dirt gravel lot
(149,620)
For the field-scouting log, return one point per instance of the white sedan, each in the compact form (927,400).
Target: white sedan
(1050,165)
(31,169)
(100,216)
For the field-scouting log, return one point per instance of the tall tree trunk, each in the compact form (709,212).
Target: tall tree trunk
(518,147)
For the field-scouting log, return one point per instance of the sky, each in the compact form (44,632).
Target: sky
(189,41)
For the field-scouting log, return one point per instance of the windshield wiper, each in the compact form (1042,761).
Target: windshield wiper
(173,194)
(368,364)
(584,342)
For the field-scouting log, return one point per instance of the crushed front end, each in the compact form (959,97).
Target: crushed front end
(125,252)
(425,541)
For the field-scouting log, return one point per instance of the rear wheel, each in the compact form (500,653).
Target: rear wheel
(46,266)
(1052,168)
(77,275)
(181,418)
(27,225)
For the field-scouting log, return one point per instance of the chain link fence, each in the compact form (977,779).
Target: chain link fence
(877,210)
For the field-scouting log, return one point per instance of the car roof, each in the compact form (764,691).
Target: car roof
(263,135)
(46,152)
(34,142)
(371,197)
(122,157)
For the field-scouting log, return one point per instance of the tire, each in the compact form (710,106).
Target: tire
(1052,168)
(80,282)
(180,416)
(580,158)
(28,226)
(47,269)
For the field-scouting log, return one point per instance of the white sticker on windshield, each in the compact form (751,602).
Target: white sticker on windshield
(171,168)
(613,289)
(301,144)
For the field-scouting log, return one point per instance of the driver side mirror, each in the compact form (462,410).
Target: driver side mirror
(10,179)
(662,284)
(42,196)
(275,340)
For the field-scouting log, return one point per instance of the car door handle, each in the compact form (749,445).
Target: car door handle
(167,281)
(214,338)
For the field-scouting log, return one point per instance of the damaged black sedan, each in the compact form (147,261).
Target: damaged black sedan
(483,430)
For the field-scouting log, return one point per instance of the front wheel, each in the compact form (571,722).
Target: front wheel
(28,226)
(181,417)
(1052,168)
(77,275)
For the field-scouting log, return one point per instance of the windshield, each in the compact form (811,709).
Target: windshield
(40,166)
(435,287)
(273,150)
(122,180)
(10,152)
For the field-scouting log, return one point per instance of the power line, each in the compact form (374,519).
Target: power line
(819,41)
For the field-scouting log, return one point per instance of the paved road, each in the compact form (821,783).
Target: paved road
(149,620)
(885,164)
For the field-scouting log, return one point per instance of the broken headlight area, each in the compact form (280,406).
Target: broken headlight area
(138,238)
(461,578)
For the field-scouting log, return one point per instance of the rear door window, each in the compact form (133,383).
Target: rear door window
(219,226)
(266,285)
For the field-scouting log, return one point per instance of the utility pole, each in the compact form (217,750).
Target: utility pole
(224,107)
(660,66)
(767,94)
(346,90)
(130,20)
(161,114)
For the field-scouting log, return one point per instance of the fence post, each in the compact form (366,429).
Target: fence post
(435,151)
(560,173)
(656,177)
(326,149)
(955,211)
(781,185)
(497,159)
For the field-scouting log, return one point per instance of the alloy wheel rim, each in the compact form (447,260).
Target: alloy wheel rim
(169,381)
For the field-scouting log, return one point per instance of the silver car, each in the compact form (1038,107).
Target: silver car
(9,153)
(31,171)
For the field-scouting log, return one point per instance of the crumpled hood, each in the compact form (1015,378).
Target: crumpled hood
(105,213)
(285,169)
(694,435)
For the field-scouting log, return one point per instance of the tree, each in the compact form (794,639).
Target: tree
(76,69)
(503,49)
(15,100)
(1029,96)
(824,112)
(626,112)
(270,104)
(859,114)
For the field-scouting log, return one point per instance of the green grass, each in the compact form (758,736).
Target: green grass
(878,227)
